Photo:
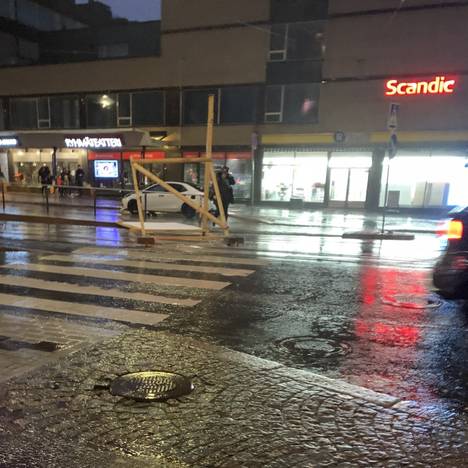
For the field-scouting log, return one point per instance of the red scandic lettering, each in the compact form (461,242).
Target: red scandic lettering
(436,86)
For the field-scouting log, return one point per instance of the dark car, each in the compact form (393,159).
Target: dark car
(451,271)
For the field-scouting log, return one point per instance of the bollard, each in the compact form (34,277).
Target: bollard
(95,202)
(3,196)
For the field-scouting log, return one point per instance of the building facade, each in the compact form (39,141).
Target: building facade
(303,91)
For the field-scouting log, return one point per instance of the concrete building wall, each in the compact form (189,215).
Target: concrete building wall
(200,13)
(406,42)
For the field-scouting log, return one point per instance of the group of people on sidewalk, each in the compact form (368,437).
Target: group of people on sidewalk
(63,180)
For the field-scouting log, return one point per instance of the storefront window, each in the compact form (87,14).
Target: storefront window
(240,166)
(294,174)
(425,180)
(26,164)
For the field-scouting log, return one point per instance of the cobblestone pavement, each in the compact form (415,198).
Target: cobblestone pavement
(243,412)
(30,341)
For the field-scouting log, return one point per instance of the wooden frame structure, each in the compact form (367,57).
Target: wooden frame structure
(210,176)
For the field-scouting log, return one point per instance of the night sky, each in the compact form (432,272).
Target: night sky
(140,10)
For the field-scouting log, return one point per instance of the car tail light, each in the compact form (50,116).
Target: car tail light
(455,230)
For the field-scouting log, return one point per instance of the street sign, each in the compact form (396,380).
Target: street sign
(392,123)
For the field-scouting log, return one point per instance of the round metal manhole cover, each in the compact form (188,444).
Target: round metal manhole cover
(151,386)
(314,347)
(407,301)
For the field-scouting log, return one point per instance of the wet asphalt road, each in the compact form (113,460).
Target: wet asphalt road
(359,311)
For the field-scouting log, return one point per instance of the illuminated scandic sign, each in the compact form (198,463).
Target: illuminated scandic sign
(5,142)
(439,85)
(94,142)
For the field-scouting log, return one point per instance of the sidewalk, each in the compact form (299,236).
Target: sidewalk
(244,218)
(336,220)
(243,411)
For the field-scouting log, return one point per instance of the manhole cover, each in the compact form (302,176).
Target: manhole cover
(151,386)
(315,347)
(412,302)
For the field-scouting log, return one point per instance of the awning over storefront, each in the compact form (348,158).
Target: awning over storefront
(115,139)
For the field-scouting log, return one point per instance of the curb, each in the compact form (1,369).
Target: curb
(56,220)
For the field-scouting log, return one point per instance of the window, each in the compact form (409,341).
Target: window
(294,174)
(101,110)
(305,41)
(301,103)
(172,107)
(274,103)
(292,103)
(64,112)
(23,113)
(178,187)
(425,180)
(155,188)
(238,105)
(278,42)
(296,41)
(113,50)
(148,108)
(196,106)
(125,110)
(43,113)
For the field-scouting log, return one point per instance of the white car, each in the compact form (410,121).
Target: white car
(157,198)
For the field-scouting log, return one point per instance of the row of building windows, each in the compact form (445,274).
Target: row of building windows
(234,105)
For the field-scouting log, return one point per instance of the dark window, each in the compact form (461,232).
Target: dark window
(172,108)
(56,31)
(148,108)
(286,11)
(278,39)
(301,103)
(155,188)
(65,112)
(274,103)
(125,110)
(101,110)
(43,112)
(23,113)
(238,105)
(305,41)
(178,187)
(2,115)
(196,106)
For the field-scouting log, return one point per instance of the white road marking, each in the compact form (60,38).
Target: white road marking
(147,254)
(119,275)
(35,283)
(149,265)
(84,310)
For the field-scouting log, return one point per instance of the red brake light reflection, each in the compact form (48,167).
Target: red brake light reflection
(455,230)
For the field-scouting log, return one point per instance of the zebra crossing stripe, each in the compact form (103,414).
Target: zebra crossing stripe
(83,310)
(150,265)
(190,256)
(26,282)
(119,275)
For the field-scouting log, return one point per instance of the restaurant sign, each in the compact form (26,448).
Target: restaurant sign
(94,142)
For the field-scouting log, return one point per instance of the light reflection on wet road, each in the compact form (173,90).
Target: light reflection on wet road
(322,303)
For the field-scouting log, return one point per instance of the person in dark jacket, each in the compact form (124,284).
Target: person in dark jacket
(79,179)
(225,182)
(44,178)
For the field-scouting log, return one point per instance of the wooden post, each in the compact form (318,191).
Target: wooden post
(180,196)
(138,199)
(209,164)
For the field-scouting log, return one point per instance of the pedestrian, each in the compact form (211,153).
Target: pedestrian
(44,178)
(79,179)
(225,190)
(60,183)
